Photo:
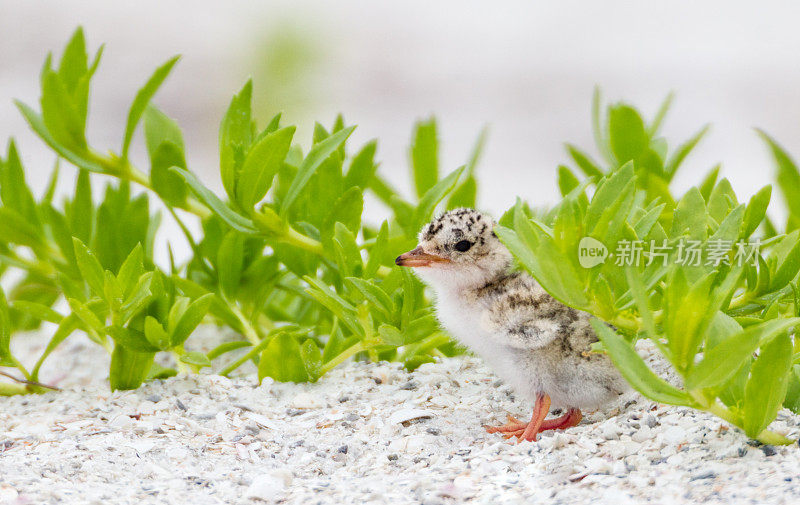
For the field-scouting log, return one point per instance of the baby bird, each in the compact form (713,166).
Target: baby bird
(533,342)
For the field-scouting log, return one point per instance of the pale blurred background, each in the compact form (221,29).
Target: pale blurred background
(527,69)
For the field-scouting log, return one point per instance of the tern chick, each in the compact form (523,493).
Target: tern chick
(538,345)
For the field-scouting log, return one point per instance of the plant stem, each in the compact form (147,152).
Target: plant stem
(250,332)
(32,385)
(249,355)
(341,357)
(771,438)
(13,259)
(740,301)
(765,437)
(297,239)
(123,169)
(13,389)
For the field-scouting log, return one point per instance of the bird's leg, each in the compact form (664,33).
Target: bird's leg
(540,410)
(516,428)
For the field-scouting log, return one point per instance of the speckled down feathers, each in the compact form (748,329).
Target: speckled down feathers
(530,339)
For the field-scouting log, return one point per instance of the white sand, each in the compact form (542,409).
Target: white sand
(366,433)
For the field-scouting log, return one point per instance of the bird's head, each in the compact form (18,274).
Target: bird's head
(459,249)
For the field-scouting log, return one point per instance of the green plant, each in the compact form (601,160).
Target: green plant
(724,320)
(284,258)
(287,259)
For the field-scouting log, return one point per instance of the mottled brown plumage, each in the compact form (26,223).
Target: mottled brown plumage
(537,344)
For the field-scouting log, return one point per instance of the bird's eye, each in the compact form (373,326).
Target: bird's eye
(464,245)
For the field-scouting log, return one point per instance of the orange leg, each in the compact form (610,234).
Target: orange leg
(540,410)
(529,431)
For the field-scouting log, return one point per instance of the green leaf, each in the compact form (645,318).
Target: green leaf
(86,315)
(628,137)
(346,210)
(788,177)
(272,126)
(130,271)
(129,368)
(544,260)
(60,114)
(312,359)
(730,227)
(378,251)
(690,216)
(80,213)
(155,333)
(567,181)
(235,136)
(14,228)
(282,360)
(68,325)
(654,127)
(227,347)
(38,311)
(143,97)
(767,385)
(318,154)
(756,210)
(340,307)
(89,266)
(158,372)
(196,358)
(230,258)
(644,224)
(165,148)
(721,200)
(683,151)
(597,130)
(723,360)
(14,191)
(429,201)
(170,186)
(464,195)
(160,129)
(260,166)
(190,319)
(5,330)
(133,340)
(425,156)
(605,196)
(391,336)
(140,296)
(363,167)
(410,298)
(792,400)
(635,370)
(584,162)
(787,270)
(235,220)
(640,296)
(74,61)
(374,294)
(37,124)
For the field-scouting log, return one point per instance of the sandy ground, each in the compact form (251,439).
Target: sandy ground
(366,433)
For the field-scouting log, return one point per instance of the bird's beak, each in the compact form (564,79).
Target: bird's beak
(419,258)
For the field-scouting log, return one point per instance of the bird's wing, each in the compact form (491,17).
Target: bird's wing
(527,319)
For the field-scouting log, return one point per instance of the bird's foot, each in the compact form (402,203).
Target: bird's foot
(512,426)
(516,428)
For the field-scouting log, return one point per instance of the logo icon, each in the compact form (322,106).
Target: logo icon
(591,252)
